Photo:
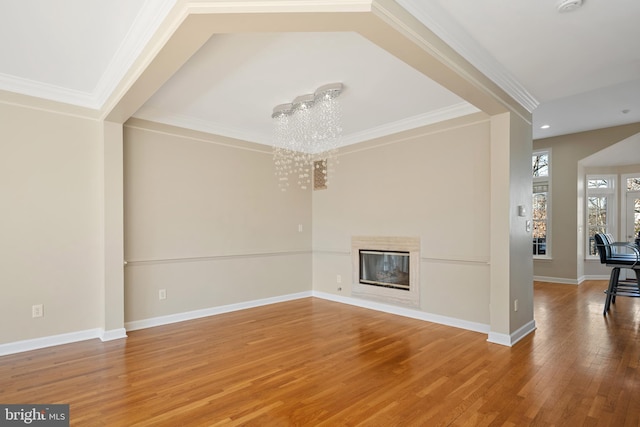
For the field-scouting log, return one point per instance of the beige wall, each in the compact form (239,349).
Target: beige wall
(205,220)
(511,265)
(431,183)
(112,218)
(50,233)
(520,263)
(567,198)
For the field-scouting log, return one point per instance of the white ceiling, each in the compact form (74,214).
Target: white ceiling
(241,77)
(576,71)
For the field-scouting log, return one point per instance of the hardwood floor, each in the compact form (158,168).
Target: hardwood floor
(313,362)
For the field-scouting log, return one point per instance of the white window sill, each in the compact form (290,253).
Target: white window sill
(542,258)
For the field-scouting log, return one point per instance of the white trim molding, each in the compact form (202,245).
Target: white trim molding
(406,312)
(512,339)
(49,341)
(593,277)
(113,334)
(425,119)
(212,311)
(560,280)
(438,20)
(136,262)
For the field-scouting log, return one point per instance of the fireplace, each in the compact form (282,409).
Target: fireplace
(386,269)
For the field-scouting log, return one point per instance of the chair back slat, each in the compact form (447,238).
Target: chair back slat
(602,245)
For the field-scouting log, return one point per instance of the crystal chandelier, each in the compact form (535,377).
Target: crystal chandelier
(307,134)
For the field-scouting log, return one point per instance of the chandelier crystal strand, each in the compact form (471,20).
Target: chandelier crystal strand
(330,132)
(307,132)
(303,132)
(282,156)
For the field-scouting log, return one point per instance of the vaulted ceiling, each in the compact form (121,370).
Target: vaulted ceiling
(575,71)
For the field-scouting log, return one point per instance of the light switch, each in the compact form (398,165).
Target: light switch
(522,211)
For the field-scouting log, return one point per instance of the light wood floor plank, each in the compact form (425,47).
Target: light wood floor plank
(312,362)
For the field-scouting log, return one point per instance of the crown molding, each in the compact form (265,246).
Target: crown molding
(147,21)
(47,91)
(429,118)
(157,115)
(414,122)
(144,26)
(153,12)
(446,28)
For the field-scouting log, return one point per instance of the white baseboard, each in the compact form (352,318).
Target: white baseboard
(113,334)
(50,341)
(205,312)
(406,312)
(523,331)
(512,339)
(561,280)
(565,281)
(502,339)
(594,277)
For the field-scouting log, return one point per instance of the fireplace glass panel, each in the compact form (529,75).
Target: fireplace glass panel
(385,268)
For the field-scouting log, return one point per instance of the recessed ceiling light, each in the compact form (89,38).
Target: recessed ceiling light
(545,127)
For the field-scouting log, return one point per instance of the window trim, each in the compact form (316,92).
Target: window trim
(611,194)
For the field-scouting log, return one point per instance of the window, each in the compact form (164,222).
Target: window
(600,211)
(633,184)
(540,164)
(540,168)
(631,211)
(540,202)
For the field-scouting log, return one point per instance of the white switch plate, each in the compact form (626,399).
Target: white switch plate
(528,226)
(162,294)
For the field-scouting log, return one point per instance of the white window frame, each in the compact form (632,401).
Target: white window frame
(540,181)
(611,194)
(623,200)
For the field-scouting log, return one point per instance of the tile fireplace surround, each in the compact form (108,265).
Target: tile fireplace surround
(389,295)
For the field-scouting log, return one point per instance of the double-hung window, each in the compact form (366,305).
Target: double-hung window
(600,209)
(541,170)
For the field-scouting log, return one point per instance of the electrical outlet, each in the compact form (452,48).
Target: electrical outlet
(162,294)
(515,305)
(37,310)
(338,279)
(299,228)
